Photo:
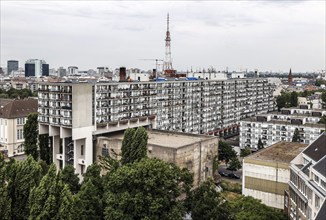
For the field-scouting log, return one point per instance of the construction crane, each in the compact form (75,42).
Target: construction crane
(156,63)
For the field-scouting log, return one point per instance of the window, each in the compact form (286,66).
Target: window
(82,150)
(105,150)
(82,169)
(316,178)
(20,148)
(323,184)
(317,202)
(20,134)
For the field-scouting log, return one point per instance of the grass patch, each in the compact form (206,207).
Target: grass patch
(231,187)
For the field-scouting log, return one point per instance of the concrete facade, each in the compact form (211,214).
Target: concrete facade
(194,152)
(74,114)
(266,173)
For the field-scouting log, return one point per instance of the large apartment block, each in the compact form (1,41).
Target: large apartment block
(306,198)
(73,113)
(274,127)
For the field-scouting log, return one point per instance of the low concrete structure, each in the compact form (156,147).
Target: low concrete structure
(194,152)
(266,173)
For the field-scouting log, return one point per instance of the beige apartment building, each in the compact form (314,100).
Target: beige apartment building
(13,116)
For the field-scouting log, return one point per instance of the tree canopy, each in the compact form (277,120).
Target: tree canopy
(45,150)
(207,203)
(225,152)
(70,178)
(16,93)
(30,135)
(148,189)
(260,144)
(296,135)
(134,145)
(22,177)
(249,208)
(287,99)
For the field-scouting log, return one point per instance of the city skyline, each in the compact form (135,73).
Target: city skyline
(263,35)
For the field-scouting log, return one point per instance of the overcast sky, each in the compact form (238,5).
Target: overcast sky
(263,35)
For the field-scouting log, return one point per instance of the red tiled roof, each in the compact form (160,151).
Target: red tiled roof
(16,108)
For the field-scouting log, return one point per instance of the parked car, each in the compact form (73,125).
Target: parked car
(223,173)
(233,176)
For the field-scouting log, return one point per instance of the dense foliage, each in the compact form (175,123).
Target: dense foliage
(148,189)
(142,189)
(225,152)
(30,135)
(260,144)
(249,208)
(206,203)
(17,93)
(287,99)
(45,150)
(296,135)
(134,145)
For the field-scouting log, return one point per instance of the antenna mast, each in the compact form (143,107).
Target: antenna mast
(167,65)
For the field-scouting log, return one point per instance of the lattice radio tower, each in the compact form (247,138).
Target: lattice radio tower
(167,65)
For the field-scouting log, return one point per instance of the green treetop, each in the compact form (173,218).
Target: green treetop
(30,135)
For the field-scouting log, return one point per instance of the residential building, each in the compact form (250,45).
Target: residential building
(280,126)
(12,65)
(36,68)
(306,198)
(75,112)
(266,173)
(13,116)
(194,152)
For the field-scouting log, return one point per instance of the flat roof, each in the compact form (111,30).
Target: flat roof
(283,152)
(169,139)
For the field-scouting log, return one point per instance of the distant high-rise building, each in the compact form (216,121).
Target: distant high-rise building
(62,72)
(1,71)
(37,68)
(290,78)
(72,70)
(12,65)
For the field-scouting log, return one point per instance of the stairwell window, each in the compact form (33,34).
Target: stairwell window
(317,202)
(81,150)
(105,150)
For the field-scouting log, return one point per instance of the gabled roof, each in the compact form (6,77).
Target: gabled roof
(317,149)
(321,166)
(322,212)
(16,108)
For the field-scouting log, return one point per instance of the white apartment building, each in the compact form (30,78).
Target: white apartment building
(13,116)
(73,114)
(306,198)
(274,127)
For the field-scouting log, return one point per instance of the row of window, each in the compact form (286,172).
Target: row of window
(20,121)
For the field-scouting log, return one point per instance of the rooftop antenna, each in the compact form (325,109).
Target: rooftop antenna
(167,65)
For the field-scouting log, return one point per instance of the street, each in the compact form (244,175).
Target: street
(222,168)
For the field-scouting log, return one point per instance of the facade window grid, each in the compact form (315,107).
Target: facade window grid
(197,107)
